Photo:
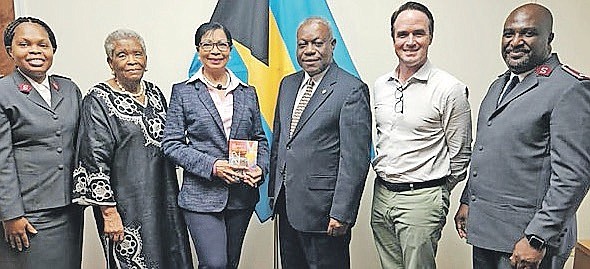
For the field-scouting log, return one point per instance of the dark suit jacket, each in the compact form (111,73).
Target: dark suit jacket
(324,165)
(36,145)
(530,167)
(194,139)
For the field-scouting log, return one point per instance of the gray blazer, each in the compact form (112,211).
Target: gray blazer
(36,145)
(324,165)
(530,167)
(194,139)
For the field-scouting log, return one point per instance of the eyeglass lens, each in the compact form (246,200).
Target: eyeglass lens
(222,46)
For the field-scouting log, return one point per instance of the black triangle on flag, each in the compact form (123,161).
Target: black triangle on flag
(247,21)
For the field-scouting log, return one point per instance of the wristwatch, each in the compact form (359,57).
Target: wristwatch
(536,242)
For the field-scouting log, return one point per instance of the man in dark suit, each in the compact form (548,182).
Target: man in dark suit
(530,168)
(320,154)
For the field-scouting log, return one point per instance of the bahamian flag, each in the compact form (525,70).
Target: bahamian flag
(264,35)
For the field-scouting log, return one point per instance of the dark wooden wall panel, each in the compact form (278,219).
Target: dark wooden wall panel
(6,16)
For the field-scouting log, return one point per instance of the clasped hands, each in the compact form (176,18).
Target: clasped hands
(232,174)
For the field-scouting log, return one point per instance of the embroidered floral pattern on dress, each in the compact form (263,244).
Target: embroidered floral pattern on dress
(151,120)
(93,188)
(129,251)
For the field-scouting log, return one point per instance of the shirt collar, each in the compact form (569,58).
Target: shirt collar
(421,75)
(44,83)
(424,72)
(233,84)
(317,79)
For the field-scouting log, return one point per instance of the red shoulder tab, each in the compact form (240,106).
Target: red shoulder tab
(543,70)
(54,83)
(575,73)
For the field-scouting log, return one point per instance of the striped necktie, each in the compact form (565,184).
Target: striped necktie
(301,106)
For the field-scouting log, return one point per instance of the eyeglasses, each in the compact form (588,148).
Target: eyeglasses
(222,46)
(399,99)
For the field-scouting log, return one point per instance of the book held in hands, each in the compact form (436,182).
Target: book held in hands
(243,153)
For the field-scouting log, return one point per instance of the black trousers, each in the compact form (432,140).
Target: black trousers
(490,259)
(218,236)
(301,250)
(58,243)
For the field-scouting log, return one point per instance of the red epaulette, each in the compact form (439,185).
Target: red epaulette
(575,73)
(54,82)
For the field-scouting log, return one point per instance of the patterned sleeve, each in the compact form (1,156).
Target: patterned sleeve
(95,148)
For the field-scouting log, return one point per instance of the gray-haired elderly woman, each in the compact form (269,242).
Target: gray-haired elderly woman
(121,170)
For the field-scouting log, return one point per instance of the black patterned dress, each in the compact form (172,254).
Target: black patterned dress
(119,163)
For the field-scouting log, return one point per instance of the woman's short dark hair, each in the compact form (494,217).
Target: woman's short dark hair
(208,26)
(9,31)
(413,6)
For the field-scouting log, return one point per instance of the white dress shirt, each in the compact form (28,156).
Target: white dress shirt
(316,81)
(431,137)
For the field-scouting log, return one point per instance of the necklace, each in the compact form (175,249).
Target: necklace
(218,85)
(125,91)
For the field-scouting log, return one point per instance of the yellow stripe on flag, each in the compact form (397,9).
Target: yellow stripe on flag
(266,79)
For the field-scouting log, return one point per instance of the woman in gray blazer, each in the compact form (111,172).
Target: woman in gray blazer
(38,127)
(206,111)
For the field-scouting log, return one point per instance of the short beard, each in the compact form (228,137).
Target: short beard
(526,63)
(521,65)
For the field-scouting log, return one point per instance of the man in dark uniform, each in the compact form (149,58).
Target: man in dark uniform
(530,166)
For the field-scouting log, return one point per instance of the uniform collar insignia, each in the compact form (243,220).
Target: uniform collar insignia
(25,88)
(543,70)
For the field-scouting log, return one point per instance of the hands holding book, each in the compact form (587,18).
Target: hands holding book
(233,174)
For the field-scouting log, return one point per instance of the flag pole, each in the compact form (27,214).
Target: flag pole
(275,241)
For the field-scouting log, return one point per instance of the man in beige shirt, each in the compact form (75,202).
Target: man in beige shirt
(423,148)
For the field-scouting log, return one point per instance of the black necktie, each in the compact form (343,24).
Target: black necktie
(511,86)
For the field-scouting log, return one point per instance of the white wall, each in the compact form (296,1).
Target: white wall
(466,43)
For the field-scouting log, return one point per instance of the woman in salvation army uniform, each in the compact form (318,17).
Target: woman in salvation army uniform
(38,127)
(121,170)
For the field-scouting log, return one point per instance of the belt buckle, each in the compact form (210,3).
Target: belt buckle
(411,186)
